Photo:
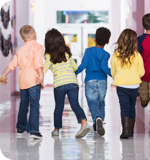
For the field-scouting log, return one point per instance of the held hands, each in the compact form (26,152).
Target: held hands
(39,80)
(40,77)
(3,80)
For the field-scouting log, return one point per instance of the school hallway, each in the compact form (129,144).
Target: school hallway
(77,20)
(66,147)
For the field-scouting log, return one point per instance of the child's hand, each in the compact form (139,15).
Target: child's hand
(3,80)
(39,80)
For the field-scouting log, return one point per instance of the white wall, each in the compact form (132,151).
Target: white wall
(147,6)
(5,91)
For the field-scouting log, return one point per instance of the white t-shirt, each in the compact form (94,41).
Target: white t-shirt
(132,86)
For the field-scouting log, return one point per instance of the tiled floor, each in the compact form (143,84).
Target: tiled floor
(66,147)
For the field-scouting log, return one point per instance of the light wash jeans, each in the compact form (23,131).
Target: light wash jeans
(95,91)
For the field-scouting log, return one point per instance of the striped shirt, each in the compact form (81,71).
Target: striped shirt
(63,73)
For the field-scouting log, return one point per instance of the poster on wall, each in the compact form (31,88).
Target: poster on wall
(7,30)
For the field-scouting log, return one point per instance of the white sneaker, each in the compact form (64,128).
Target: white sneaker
(99,126)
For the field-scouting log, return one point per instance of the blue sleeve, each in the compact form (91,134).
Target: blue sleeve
(83,64)
(104,64)
(139,46)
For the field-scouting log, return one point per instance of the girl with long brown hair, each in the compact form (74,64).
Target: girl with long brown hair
(60,62)
(127,69)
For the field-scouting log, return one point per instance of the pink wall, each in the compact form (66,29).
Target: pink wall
(21,19)
(5,91)
(137,14)
(13,74)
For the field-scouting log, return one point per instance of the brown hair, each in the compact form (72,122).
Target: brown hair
(27,32)
(102,36)
(126,47)
(146,21)
(55,46)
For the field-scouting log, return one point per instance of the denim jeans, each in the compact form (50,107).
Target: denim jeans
(30,97)
(95,91)
(127,99)
(59,94)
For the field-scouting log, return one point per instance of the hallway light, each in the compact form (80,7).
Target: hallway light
(33,6)
(129,9)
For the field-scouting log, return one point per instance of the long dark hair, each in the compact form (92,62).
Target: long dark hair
(126,46)
(55,46)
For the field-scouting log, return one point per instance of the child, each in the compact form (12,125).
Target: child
(127,69)
(144,49)
(3,80)
(29,58)
(95,61)
(58,59)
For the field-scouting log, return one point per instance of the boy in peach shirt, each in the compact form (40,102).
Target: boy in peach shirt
(29,58)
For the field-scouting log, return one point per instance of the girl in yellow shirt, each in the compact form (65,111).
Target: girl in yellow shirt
(127,69)
(59,60)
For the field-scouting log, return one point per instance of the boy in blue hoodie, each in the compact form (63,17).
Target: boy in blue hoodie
(95,61)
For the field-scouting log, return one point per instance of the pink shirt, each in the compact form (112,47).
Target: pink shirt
(29,58)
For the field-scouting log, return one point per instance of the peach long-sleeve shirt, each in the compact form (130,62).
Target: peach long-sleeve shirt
(29,58)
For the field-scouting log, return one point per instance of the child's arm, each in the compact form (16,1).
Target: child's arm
(12,65)
(140,48)
(73,64)
(47,64)
(38,64)
(104,64)
(141,69)
(83,64)
(113,68)
(41,76)
(6,72)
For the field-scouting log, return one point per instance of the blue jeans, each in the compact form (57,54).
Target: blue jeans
(95,91)
(127,99)
(59,94)
(29,96)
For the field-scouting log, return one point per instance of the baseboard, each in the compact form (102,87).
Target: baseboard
(16,93)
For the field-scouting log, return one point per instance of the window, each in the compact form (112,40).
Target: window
(82,16)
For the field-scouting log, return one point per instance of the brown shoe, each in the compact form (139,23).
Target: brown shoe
(125,128)
(131,127)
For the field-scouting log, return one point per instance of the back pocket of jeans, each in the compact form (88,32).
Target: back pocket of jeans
(33,89)
(60,87)
(90,89)
(74,86)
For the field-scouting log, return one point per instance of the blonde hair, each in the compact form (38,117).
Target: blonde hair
(27,32)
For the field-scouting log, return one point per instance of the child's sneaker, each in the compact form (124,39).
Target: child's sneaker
(55,133)
(19,132)
(36,135)
(82,132)
(99,126)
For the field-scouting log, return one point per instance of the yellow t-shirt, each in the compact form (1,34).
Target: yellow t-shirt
(63,73)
